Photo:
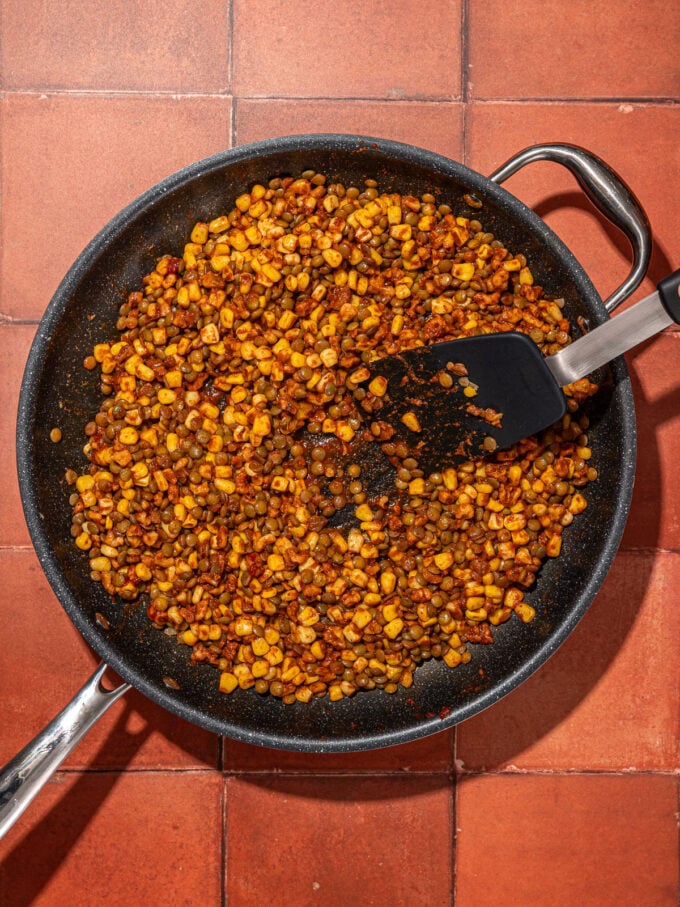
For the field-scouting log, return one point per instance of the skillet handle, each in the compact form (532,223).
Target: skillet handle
(26,774)
(607,191)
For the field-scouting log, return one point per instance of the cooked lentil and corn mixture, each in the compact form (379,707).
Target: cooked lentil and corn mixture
(233,403)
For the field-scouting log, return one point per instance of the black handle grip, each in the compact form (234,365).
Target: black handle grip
(669,292)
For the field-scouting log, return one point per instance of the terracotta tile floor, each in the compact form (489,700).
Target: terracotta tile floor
(566,791)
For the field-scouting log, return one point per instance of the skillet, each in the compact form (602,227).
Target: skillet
(57,391)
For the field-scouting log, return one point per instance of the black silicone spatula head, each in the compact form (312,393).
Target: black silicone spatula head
(464,398)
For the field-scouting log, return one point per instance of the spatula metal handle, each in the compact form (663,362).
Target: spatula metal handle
(616,336)
(607,191)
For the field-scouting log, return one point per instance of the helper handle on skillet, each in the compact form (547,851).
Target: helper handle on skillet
(607,191)
(24,777)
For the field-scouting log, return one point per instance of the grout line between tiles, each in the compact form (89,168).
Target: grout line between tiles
(224,854)
(453,777)
(454,816)
(464,66)
(464,97)
(668,101)
(230,74)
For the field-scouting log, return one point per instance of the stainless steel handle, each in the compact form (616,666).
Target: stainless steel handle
(23,777)
(614,337)
(607,191)
(609,340)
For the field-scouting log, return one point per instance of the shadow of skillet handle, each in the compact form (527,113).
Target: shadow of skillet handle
(25,775)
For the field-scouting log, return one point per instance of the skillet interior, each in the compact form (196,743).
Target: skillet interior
(58,391)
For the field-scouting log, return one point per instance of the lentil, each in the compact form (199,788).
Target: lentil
(223,447)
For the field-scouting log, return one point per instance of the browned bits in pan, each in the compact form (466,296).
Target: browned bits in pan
(234,398)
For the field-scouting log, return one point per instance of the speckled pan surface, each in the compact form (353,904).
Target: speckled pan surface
(57,391)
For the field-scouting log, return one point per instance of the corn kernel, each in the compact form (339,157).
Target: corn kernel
(199,234)
(228,682)
(275,562)
(378,386)
(411,422)
(443,560)
(332,257)
(463,271)
(393,628)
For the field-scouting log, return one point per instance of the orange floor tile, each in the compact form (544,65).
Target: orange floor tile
(563,793)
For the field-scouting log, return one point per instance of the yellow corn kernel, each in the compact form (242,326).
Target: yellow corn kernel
(388,582)
(173,378)
(275,563)
(144,372)
(329,357)
(225,485)
(219,224)
(189,638)
(335,692)
(83,541)
(143,572)
(463,270)
(525,612)
(228,682)
(199,234)
(344,431)
(272,635)
(243,626)
(317,649)
(411,422)
(210,334)
(397,325)
(443,560)
(332,257)
(470,391)
(260,647)
(363,513)
(100,564)
(243,202)
(166,396)
(401,232)
(274,656)
(393,628)
(416,487)
(452,658)
(394,214)
(308,616)
(578,504)
(362,617)
(378,386)
(271,273)
(140,471)
(554,546)
(84,483)
(260,667)
(128,435)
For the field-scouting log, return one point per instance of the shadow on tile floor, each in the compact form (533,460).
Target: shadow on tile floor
(23,853)
(659,266)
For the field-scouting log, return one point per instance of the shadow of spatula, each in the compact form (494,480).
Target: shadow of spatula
(517,391)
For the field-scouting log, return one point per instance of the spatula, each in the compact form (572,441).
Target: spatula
(514,391)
